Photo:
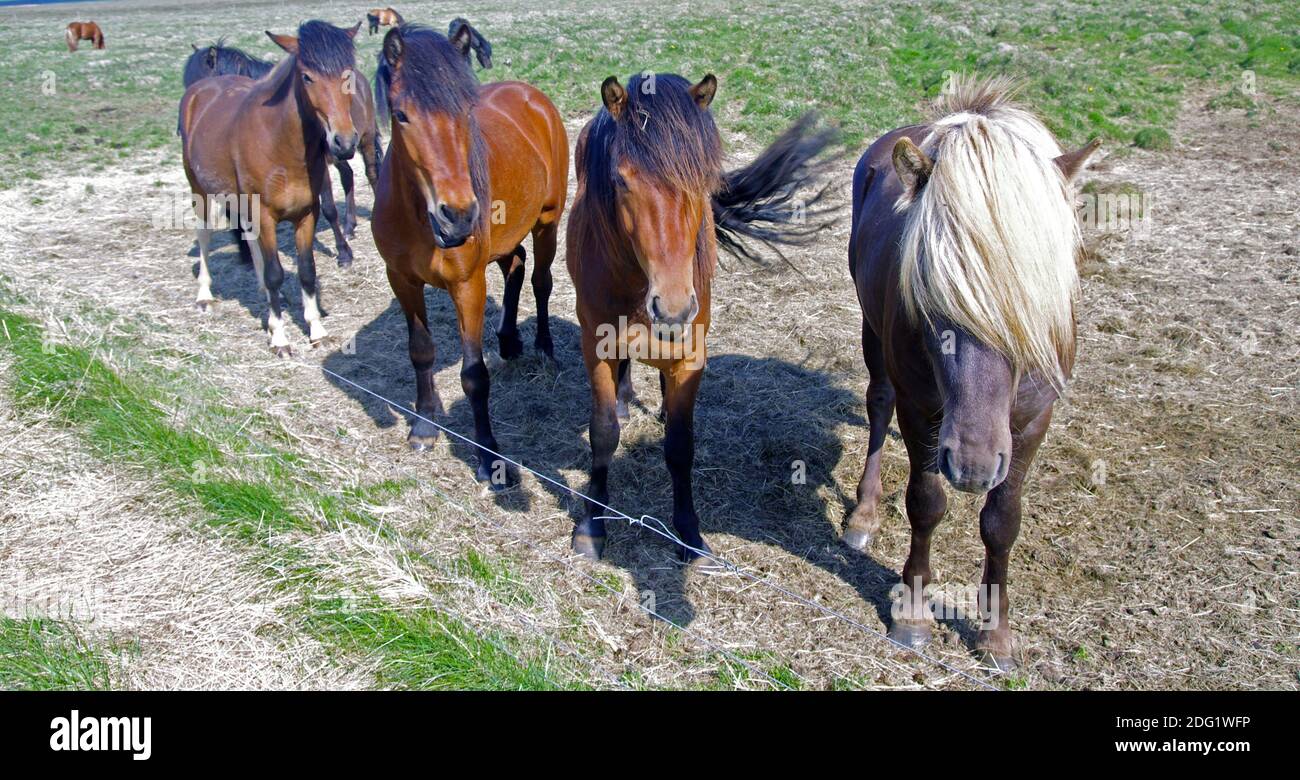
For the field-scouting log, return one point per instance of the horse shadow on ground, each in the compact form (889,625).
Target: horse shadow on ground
(234,280)
(759,422)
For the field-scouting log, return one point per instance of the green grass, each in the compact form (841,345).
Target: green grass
(1104,69)
(126,419)
(43,655)
(1152,138)
(422,649)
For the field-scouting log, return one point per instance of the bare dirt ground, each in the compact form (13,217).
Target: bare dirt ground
(1159,545)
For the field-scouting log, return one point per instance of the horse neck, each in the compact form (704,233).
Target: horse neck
(293,123)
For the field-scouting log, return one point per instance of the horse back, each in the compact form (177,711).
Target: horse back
(528,158)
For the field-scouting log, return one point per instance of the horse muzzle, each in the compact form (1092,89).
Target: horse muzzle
(452,227)
(970,473)
(343,147)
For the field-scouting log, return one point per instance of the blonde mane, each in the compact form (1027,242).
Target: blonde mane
(990,240)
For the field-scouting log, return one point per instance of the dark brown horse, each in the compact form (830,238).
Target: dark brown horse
(382,17)
(83,31)
(218,59)
(470,172)
(963,254)
(267,143)
(652,204)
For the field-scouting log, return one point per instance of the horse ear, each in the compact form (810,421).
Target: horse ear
(614,96)
(911,164)
(703,92)
(1071,163)
(353,32)
(461,36)
(393,47)
(286,42)
(194,46)
(211,58)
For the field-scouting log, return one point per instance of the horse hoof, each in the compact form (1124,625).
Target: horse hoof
(857,538)
(316,343)
(421,443)
(282,351)
(510,345)
(589,547)
(995,661)
(698,561)
(205,306)
(498,475)
(345,262)
(914,634)
(546,347)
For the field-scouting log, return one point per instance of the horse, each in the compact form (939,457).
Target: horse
(482,49)
(218,59)
(83,31)
(382,17)
(651,208)
(266,142)
(963,253)
(459,151)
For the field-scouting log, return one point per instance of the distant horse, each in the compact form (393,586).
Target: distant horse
(652,204)
(270,139)
(963,253)
(382,17)
(482,49)
(471,170)
(83,31)
(219,59)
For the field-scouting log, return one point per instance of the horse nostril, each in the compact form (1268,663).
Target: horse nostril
(945,462)
(654,308)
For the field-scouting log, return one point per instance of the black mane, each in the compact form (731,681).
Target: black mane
(324,48)
(435,76)
(218,59)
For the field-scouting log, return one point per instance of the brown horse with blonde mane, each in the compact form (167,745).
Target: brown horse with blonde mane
(268,143)
(470,171)
(83,31)
(652,204)
(963,253)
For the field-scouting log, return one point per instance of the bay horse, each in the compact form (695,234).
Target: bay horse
(470,171)
(218,59)
(83,31)
(963,250)
(382,17)
(269,141)
(652,205)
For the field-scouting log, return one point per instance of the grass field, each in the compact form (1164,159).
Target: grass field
(267,528)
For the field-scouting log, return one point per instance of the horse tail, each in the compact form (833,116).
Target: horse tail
(382,78)
(758,203)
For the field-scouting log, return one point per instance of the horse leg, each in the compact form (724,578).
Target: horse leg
(331,212)
(681,386)
(410,295)
(512,268)
(348,181)
(589,533)
(926,503)
(270,275)
(469,297)
(204,298)
(305,236)
(999,527)
(626,394)
(544,239)
(864,522)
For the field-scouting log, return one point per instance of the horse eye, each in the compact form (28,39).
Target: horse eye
(400,116)
(306,79)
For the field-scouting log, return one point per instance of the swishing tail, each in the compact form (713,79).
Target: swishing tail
(762,202)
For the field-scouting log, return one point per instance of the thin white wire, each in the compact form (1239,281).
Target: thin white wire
(662,530)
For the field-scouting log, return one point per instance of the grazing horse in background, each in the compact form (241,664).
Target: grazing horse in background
(218,59)
(470,171)
(270,140)
(83,31)
(482,49)
(652,204)
(382,17)
(963,252)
